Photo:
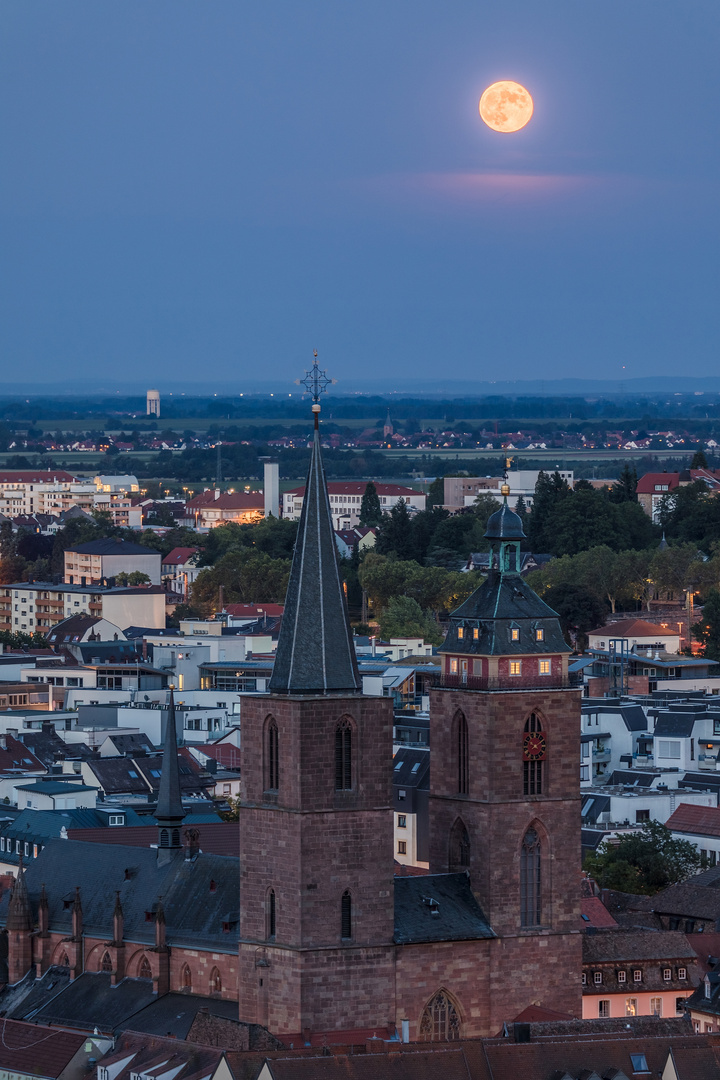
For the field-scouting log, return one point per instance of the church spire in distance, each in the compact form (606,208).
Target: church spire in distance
(315,653)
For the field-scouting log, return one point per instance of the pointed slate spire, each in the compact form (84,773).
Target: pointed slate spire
(169,813)
(315,653)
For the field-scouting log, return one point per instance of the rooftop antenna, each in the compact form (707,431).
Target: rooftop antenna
(316,382)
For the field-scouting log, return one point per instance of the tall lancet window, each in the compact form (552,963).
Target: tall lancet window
(343,756)
(530,880)
(272,761)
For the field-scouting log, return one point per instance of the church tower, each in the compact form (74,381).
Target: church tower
(316,824)
(504,798)
(169,812)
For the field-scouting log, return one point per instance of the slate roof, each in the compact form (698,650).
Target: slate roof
(169,803)
(174,1014)
(87,1002)
(688,900)
(73,628)
(315,652)
(502,602)
(636,945)
(37,1051)
(194,913)
(54,787)
(411,768)
(459,917)
(674,725)
(702,820)
(134,743)
(112,545)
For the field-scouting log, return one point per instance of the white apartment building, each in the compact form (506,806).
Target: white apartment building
(37,606)
(346,499)
(463,490)
(53,492)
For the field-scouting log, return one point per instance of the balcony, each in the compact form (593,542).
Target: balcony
(573,680)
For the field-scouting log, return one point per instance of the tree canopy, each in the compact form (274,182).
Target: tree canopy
(643,862)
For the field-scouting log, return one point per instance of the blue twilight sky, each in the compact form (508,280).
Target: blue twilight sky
(204,190)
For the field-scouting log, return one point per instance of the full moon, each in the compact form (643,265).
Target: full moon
(506,106)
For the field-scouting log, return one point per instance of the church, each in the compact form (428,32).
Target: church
(323,937)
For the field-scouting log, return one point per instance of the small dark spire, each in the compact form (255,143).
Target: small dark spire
(663,543)
(315,653)
(169,813)
(19,916)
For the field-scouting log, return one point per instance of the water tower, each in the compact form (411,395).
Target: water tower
(153,403)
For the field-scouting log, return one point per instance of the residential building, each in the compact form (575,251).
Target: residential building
(32,606)
(637,634)
(346,498)
(213,507)
(411,794)
(39,1052)
(617,806)
(179,570)
(350,541)
(637,973)
(462,491)
(700,825)
(614,734)
(100,561)
(652,488)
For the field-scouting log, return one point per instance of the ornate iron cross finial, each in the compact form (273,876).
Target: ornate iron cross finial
(316,381)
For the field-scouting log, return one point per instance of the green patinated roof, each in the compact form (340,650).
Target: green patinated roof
(501,603)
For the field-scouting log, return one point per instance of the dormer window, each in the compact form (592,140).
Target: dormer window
(460,633)
(539,634)
(515,633)
(476,633)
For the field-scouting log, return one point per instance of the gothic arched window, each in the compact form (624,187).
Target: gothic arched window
(530,880)
(272,761)
(106,964)
(186,978)
(64,962)
(463,754)
(459,854)
(270,915)
(440,1021)
(533,755)
(144,970)
(346,916)
(343,756)
(164,838)
(215,982)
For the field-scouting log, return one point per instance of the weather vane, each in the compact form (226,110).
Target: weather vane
(316,383)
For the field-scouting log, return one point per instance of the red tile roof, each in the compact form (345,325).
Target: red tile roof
(633,628)
(238,500)
(37,1050)
(706,946)
(597,913)
(226,754)
(704,820)
(15,755)
(357,487)
(255,611)
(216,838)
(646,484)
(26,476)
(179,556)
